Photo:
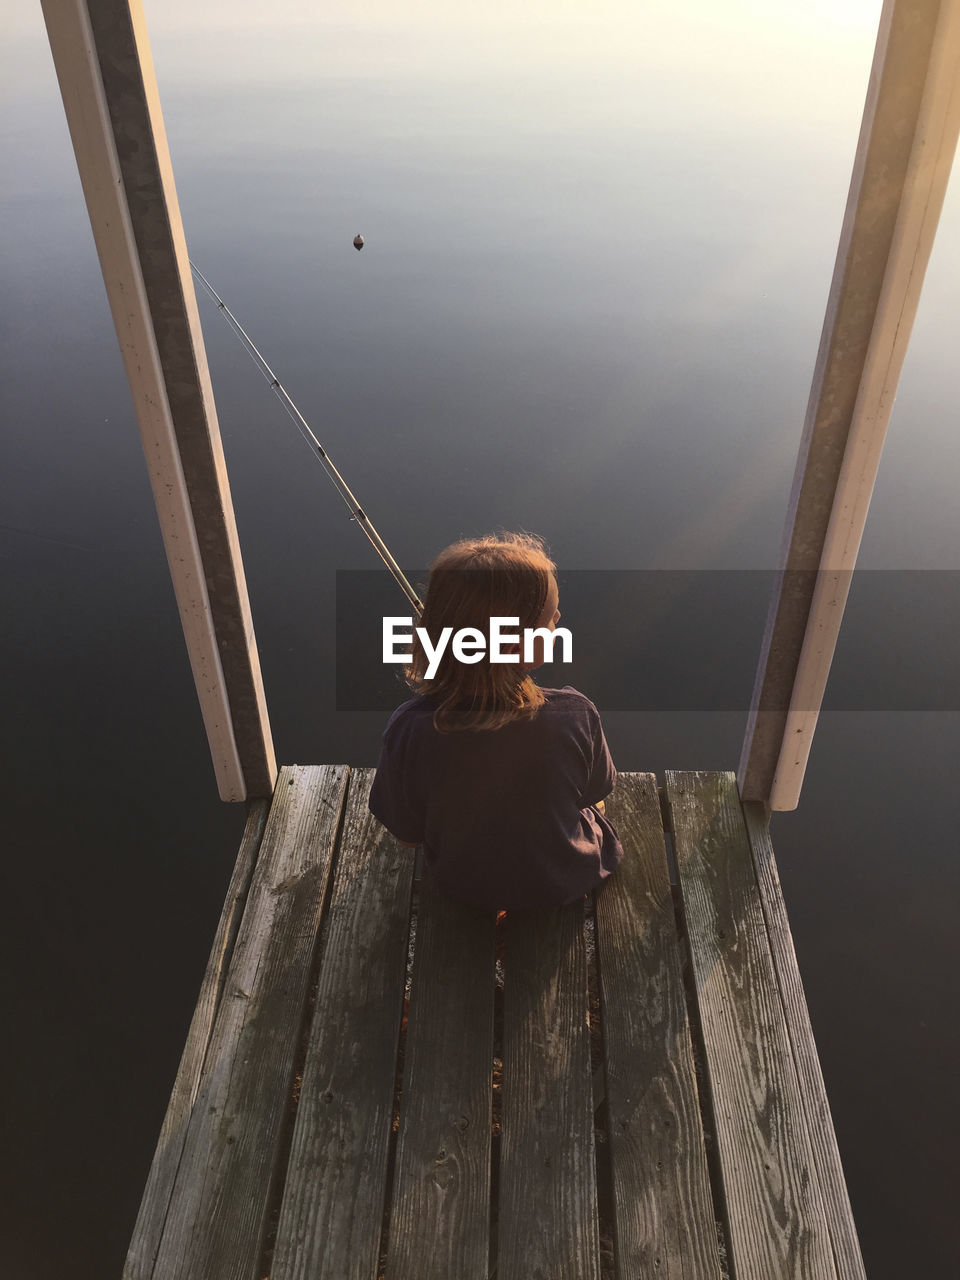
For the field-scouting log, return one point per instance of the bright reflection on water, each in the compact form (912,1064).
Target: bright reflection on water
(599,241)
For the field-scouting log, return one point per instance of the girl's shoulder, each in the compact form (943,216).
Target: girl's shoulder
(569,711)
(408,713)
(569,698)
(563,708)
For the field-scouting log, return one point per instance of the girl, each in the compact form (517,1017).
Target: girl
(501,781)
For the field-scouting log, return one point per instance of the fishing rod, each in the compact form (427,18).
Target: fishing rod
(356,511)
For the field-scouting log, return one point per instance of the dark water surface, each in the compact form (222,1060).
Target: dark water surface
(599,243)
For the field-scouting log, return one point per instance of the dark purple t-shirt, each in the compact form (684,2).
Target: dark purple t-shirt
(503,815)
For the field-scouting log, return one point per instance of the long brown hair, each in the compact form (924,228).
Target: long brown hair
(501,575)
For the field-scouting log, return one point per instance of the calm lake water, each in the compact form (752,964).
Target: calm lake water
(599,241)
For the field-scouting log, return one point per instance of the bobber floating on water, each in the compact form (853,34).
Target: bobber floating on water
(358,242)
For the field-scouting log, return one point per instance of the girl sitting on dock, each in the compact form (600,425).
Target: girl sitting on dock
(500,780)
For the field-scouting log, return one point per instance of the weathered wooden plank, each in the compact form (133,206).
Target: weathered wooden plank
(333,1200)
(663,1209)
(813,1094)
(440,1220)
(166,1160)
(775,1215)
(548,1197)
(218,1206)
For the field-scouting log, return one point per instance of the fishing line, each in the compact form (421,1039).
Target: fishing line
(316,448)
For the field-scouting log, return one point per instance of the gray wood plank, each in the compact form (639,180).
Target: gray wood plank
(663,1208)
(217,1210)
(813,1094)
(775,1215)
(548,1227)
(440,1220)
(333,1200)
(166,1161)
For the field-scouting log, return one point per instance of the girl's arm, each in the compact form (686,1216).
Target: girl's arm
(392,800)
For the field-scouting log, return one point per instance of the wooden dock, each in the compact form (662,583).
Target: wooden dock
(377,1083)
